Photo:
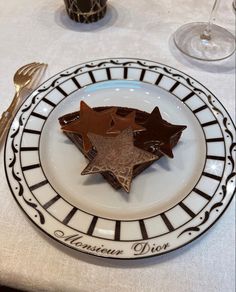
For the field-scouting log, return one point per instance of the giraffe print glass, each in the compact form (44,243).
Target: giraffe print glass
(86,11)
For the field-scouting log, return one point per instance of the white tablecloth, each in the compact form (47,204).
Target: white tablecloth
(41,31)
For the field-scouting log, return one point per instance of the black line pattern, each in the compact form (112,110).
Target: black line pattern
(209,123)
(167,222)
(61,91)
(29,149)
(213,176)
(142,74)
(124,64)
(214,157)
(51,202)
(92,225)
(38,116)
(38,185)
(201,108)
(92,76)
(108,73)
(213,140)
(76,82)
(191,94)
(30,131)
(48,102)
(143,229)
(201,193)
(174,86)
(13,162)
(206,217)
(117,231)
(187,210)
(69,216)
(158,79)
(125,72)
(231,175)
(29,167)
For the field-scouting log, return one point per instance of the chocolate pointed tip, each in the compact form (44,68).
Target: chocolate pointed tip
(126,188)
(167,151)
(156,110)
(66,128)
(84,105)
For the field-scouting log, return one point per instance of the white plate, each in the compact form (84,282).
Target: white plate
(170,204)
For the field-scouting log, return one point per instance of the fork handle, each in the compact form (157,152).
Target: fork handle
(4,123)
(7,115)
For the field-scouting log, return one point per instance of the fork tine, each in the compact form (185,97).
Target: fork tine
(41,70)
(22,69)
(34,70)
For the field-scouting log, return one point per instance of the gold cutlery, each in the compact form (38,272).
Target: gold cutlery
(24,77)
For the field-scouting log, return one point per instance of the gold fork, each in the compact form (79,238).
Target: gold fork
(24,77)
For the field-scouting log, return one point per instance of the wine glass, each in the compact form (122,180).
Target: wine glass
(205,40)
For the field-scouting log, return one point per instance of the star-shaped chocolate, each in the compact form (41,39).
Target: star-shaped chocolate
(90,121)
(158,132)
(117,155)
(122,123)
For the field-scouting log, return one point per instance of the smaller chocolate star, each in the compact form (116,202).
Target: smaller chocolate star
(158,132)
(90,121)
(122,123)
(117,155)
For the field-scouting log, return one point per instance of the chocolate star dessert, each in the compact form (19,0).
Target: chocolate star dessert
(122,123)
(90,122)
(120,142)
(160,132)
(117,155)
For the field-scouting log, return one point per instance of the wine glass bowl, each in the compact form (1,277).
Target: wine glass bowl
(205,40)
(191,40)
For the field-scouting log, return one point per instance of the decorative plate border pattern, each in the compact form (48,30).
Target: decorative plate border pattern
(142,245)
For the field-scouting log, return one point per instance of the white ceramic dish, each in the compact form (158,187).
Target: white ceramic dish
(170,204)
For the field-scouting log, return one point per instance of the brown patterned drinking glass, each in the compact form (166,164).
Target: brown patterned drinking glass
(86,11)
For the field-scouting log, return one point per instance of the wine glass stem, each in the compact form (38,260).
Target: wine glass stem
(206,35)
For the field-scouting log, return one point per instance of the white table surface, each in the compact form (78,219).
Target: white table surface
(41,31)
